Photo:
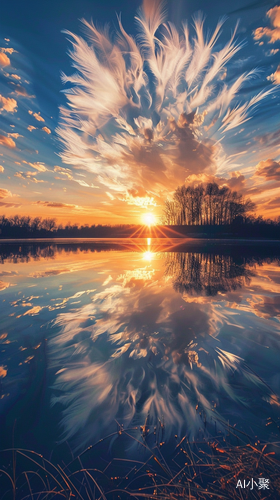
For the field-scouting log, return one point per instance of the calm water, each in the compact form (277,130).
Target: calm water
(184,336)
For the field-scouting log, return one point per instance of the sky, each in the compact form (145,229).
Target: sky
(106,107)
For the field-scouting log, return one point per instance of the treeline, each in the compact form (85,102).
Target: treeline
(27,227)
(241,227)
(206,205)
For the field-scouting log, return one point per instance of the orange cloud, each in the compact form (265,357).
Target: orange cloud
(16,77)
(7,141)
(9,50)
(4,193)
(38,166)
(38,117)
(8,104)
(28,176)
(15,135)
(64,171)
(30,128)
(272,33)
(275,77)
(269,169)
(1,168)
(54,204)
(47,130)
(4,60)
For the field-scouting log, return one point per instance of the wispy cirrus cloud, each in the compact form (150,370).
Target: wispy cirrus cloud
(141,131)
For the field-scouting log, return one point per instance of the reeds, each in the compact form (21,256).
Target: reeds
(189,470)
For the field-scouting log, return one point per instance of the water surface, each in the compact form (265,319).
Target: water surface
(181,336)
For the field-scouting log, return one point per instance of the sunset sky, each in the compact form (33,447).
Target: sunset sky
(99,123)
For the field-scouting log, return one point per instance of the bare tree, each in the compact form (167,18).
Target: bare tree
(206,205)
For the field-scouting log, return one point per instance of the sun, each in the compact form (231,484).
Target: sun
(148,256)
(149,219)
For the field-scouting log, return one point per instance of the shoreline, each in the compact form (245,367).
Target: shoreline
(144,238)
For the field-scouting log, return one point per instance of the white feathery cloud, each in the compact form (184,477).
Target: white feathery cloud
(142,132)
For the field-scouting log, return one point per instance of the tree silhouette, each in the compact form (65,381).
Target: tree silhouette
(206,205)
(206,273)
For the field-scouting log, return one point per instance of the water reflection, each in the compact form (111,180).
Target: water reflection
(188,337)
(139,349)
(206,274)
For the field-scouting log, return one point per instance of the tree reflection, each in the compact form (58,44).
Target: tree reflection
(206,274)
(139,349)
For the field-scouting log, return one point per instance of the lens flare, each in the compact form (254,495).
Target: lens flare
(149,219)
(148,256)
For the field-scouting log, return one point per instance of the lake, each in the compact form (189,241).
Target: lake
(165,338)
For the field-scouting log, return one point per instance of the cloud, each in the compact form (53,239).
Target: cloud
(1,169)
(275,77)
(33,311)
(8,104)
(37,165)
(64,171)
(272,33)
(141,133)
(3,286)
(270,139)
(9,204)
(270,169)
(4,193)
(272,52)
(273,203)
(7,141)
(4,60)
(269,306)
(16,77)
(85,184)
(30,128)
(38,117)
(236,182)
(9,50)
(20,90)
(47,130)
(15,135)
(28,176)
(54,204)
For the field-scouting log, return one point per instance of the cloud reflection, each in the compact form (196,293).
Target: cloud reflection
(141,349)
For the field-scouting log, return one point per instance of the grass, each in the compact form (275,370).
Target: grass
(191,470)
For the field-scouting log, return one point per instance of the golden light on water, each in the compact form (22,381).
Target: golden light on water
(149,219)
(148,256)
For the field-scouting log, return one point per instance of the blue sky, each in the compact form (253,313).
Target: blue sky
(117,180)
